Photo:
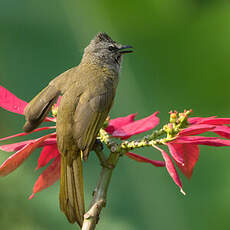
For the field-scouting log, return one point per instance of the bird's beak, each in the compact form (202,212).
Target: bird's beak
(122,49)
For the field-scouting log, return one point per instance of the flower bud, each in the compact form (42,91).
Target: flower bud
(173,116)
(54,110)
(169,129)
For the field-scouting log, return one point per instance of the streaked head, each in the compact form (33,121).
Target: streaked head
(103,50)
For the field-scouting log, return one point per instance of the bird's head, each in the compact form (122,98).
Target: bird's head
(103,50)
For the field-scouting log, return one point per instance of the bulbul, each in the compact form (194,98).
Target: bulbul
(88,91)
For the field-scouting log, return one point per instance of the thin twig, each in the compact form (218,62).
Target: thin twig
(91,217)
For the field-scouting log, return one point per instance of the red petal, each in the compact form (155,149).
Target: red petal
(171,169)
(223,131)
(48,153)
(10,102)
(119,122)
(48,177)
(190,154)
(19,145)
(139,158)
(197,120)
(209,120)
(179,158)
(15,160)
(196,129)
(15,146)
(50,141)
(53,119)
(24,134)
(216,121)
(137,127)
(212,141)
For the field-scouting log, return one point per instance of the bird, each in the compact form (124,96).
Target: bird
(87,93)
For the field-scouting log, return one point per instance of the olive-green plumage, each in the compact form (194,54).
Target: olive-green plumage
(88,91)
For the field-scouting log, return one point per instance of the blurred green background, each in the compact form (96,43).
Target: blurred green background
(181,60)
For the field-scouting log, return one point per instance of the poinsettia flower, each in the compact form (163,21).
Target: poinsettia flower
(24,149)
(186,146)
(126,127)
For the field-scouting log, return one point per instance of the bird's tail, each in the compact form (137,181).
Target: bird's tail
(71,190)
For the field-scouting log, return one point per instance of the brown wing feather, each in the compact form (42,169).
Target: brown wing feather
(39,107)
(89,118)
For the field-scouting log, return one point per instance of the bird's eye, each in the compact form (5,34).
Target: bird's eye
(112,48)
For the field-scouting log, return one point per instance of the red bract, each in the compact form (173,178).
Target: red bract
(125,127)
(25,148)
(117,123)
(47,154)
(189,153)
(209,120)
(10,102)
(20,156)
(186,146)
(171,168)
(49,176)
(139,158)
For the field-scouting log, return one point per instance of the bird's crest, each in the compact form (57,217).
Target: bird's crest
(103,37)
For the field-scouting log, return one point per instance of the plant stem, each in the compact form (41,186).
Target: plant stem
(91,217)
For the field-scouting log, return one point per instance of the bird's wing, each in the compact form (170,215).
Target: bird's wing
(89,117)
(39,107)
